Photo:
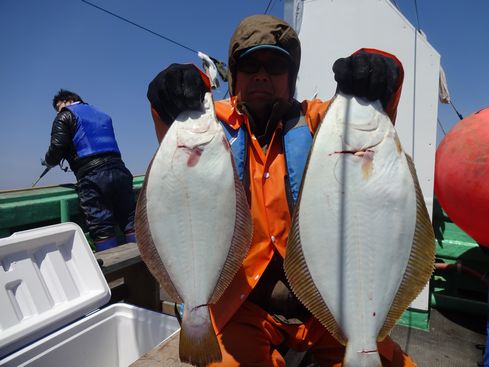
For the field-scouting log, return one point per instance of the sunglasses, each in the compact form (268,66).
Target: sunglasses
(274,66)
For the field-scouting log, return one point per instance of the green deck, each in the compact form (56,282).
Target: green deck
(29,208)
(452,289)
(41,206)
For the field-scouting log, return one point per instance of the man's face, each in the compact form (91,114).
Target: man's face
(262,77)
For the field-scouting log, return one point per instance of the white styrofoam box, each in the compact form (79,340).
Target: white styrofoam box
(48,278)
(51,287)
(115,336)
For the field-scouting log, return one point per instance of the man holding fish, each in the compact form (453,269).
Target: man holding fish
(270,134)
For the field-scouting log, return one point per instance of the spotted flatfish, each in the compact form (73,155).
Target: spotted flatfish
(193,224)
(361,246)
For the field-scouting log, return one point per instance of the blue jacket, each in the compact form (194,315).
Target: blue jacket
(94,133)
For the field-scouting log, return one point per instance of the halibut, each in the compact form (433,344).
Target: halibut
(361,245)
(193,224)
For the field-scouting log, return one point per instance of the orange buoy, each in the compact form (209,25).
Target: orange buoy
(462,175)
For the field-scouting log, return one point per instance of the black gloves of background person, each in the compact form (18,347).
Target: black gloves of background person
(45,164)
(176,89)
(369,75)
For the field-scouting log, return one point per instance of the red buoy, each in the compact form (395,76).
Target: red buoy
(462,175)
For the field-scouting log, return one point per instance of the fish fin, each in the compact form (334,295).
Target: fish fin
(421,261)
(241,241)
(198,344)
(303,285)
(146,246)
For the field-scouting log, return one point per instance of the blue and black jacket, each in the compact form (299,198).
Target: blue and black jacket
(84,136)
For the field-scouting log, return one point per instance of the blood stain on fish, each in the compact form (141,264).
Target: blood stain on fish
(367,165)
(194,156)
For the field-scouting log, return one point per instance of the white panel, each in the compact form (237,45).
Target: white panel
(337,28)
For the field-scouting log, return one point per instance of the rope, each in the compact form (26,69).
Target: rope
(441,126)
(417,16)
(458,113)
(139,26)
(268,6)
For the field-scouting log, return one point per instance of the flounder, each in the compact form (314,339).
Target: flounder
(361,246)
(193,224)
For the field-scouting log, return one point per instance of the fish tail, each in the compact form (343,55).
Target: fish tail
(198,341)
(356,356)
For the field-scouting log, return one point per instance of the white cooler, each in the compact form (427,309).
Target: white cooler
(51,291)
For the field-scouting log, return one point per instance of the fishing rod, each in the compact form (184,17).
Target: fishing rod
(46,170)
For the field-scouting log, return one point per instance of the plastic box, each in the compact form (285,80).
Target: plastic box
(51,291)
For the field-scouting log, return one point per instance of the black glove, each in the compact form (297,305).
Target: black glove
(369,75)
(176,89)
(45,164)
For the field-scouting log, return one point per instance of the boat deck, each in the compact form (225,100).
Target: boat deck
(453,340)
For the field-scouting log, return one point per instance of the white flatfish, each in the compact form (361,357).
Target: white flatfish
(193,224)
(361,246)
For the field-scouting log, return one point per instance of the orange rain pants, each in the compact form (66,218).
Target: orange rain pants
(251,337)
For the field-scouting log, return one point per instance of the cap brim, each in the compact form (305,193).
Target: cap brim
(264,47)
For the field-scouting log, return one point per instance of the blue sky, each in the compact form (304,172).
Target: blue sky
(51,44)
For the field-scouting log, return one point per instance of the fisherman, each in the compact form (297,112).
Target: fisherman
(271,133)
(84,136)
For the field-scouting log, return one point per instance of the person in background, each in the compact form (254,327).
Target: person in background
(84,136)
(258,312)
